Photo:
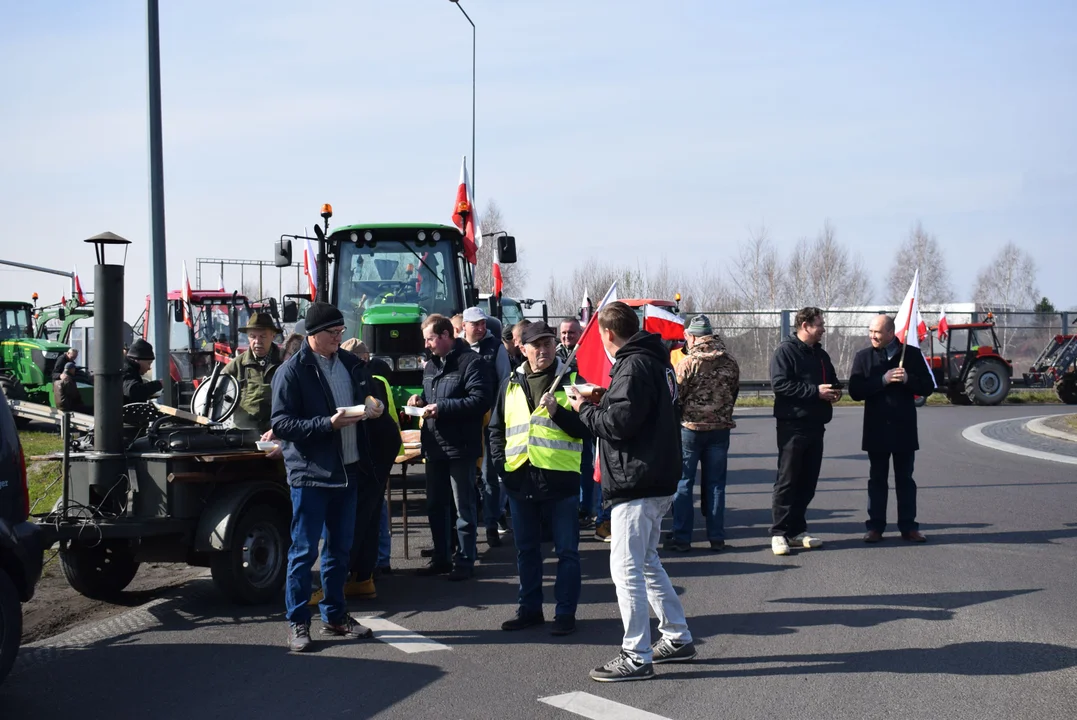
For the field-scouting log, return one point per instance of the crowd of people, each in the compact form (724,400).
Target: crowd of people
(508,437)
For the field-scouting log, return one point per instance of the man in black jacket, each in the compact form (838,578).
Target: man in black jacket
(535,442)
(639,448)
(888,377)
(139,361)
(805,386)
(456,395)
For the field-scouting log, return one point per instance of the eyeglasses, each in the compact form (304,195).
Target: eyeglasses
(336,332)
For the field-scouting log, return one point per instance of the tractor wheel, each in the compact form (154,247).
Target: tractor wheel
(988,382)
(920,401)
(253,570)
(100,572)
(1066,388)
(13,390)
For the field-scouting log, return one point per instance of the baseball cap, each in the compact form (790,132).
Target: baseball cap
(474,314)
(536,331)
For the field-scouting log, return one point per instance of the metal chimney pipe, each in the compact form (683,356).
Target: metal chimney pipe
(108,360)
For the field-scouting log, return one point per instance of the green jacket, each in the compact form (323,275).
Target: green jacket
(255,378)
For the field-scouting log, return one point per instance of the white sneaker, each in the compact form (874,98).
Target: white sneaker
(806,540)
(779,545)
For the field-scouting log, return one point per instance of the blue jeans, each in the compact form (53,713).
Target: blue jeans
(315,510)
(590,496)
(527,520)
(451,483)
(385,540)
(712,448)
(493,499)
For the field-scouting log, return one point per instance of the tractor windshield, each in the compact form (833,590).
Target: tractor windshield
(390,272)
(15,323)
(212,324)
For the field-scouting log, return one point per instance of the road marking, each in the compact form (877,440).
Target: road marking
(1040,427)
(598,708)
(400,637)
(975,434)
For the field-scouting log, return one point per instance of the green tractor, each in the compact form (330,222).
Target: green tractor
(385,278)
(26,361)
(55,322)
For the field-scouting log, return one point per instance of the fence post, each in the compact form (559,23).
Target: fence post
(975,316)
(1065,323)
(786,330)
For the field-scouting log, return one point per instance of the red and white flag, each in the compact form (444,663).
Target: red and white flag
(497,275)
(78,288)
(185,293)
(663,322)
(466,218)
(592,360)
(220,279)
(63,297)
(909,325)
(944,326)
(310,269)
(586,307)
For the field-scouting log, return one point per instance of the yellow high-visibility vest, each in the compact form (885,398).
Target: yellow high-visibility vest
(534,437)
(392,410)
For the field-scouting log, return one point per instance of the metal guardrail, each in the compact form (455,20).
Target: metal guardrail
(46,414)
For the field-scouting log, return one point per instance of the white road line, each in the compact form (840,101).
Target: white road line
(1040,427)
(598,708)
(400,637)
(975,434)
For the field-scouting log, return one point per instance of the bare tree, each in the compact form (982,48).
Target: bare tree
(1007,283)
(513,275)
(757,280)
(922,251)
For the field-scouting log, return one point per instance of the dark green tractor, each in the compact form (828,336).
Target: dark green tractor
(26,361)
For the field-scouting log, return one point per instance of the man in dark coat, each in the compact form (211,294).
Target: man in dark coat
(888,377)
(66,391)
(139,362)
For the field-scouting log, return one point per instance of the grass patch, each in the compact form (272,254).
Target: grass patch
(42,477)
(1072,422)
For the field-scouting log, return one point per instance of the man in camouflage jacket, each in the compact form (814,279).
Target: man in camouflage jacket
(708,381)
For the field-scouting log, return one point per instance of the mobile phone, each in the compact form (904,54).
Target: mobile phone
(836,386)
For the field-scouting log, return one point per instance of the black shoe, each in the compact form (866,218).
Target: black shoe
(382,570)
(717,545)
(493,538)
(675,545)
(460,572)
(299,637)
(427,552)
(347,627)
(523,620)
(563,625)
(434,567)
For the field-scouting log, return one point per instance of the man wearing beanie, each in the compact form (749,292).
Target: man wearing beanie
(139,361)
(708,382)
(330,468)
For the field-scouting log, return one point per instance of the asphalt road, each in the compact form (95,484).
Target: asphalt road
(978,623)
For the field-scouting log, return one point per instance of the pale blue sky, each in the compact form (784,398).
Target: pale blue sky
(637,128)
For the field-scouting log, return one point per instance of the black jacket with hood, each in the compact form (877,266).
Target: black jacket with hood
(460,385)
(637,424)
(796,372)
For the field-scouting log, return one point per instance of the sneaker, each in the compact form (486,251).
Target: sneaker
(779,545)
(717,545)
(362,589)
(348,628)
(665,650)
(299,637)
(805,540)
(503,525)
(623,668)
(675,545)
(523,620)
(434,567)
(493,537)
(426,552)
(587,523)
(563,625)
(382,570)
(460,572)
(602,531)
(316,596)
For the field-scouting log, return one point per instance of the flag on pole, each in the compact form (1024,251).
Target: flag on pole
(185,292)
(908,322)
(663,322)
(310,268)
(220,279)
(63,297)
(466,218)
(586,307)
(944,326)
(78,288)
(497,275)
(592,360)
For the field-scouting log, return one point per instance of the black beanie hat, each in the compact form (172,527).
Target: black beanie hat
(140,350)
(322,316)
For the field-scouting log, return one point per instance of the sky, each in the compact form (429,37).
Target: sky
(623,131)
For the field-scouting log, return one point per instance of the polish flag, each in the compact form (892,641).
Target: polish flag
(465,217)
(908,322)
(592,360)
(944,326)
(220,279)
(586,307)
(663,322)
(63,297)
(310,268)
(78,288)
(497,275)
(185,293)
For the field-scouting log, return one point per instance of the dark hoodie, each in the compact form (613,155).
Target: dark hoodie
(637,424)
(796,372)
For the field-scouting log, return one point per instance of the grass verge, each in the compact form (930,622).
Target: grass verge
(42,477)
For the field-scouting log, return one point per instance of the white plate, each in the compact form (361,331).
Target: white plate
(352,411)
(585,388)
(414,411)
(265,446)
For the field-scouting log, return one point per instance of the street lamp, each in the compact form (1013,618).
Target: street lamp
(457,3)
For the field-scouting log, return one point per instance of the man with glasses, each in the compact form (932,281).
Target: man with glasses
(330,468)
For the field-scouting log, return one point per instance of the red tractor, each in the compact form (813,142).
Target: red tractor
(1057,366)
(969,368)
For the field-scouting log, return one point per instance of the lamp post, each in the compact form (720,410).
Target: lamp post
(457,3)
(158,266)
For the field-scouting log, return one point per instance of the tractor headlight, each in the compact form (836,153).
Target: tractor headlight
(409,362)
(49,355)
(385,359)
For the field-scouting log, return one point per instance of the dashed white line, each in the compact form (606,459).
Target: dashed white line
(400,637)
(598,708)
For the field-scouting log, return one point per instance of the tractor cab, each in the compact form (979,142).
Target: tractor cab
(26,362)
(968,365)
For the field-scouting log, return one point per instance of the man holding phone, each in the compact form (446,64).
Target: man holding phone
(805,388)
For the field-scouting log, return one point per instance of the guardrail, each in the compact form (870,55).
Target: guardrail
(46,414)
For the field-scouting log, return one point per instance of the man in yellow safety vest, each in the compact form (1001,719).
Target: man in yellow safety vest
(535,441)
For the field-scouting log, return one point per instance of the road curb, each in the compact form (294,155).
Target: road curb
(1040,427)
(975,434)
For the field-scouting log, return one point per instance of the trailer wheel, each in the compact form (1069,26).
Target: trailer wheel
(101,571)
(14,390)
(1066,388)
(10,624)
(919,401)
(988,383)
(253,570)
